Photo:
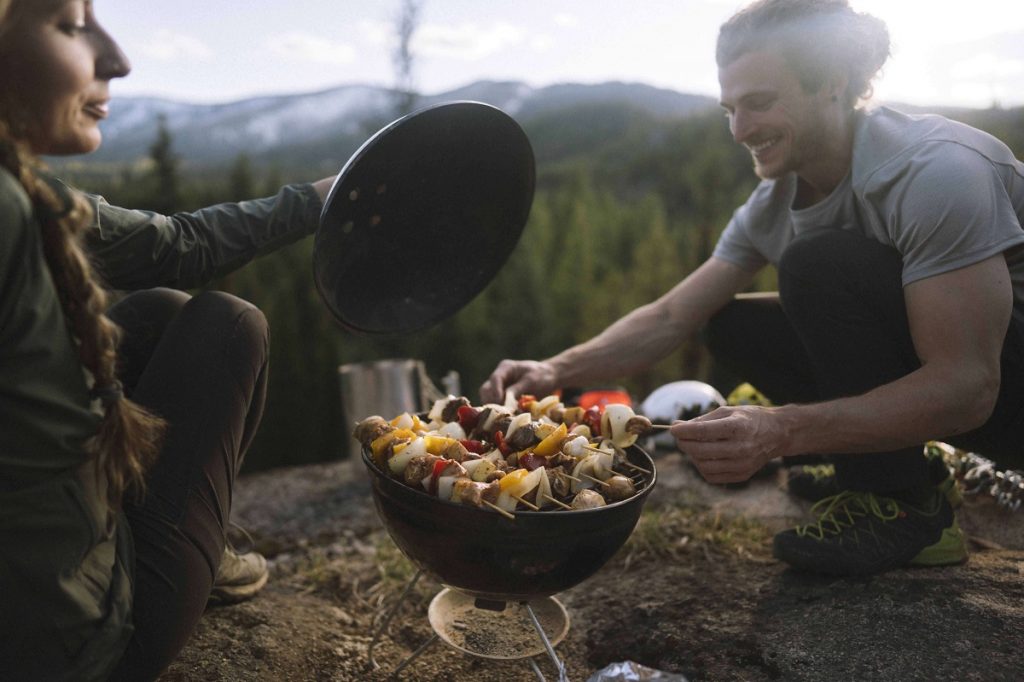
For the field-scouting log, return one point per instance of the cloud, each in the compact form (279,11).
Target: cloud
(311,48)
(566,20)
(469,41)
(987,65)
(167,46)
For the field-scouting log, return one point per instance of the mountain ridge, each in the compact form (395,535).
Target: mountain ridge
(266,126)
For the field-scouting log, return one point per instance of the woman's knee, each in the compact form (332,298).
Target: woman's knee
(229,319)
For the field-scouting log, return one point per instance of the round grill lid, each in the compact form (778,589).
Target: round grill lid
(422,217)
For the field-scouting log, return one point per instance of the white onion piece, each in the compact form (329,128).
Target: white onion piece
(543,490)
(403,421)
(400,460)
(518,421)
(492,416)
(603,463)
(438,408)
(506,501)
(494,456)
(576,447)
(541,407)
(584,466)
(452,430)
(511,404)
(613,424)
(529,482)
(445,486)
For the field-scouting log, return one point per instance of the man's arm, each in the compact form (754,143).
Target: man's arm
(958,321)
(634,342)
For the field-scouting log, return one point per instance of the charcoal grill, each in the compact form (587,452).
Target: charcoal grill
(499,563)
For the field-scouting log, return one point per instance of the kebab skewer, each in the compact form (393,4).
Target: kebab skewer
(439,457)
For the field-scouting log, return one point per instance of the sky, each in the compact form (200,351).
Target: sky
(945,52)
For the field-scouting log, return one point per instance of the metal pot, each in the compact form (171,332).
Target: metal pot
(488,556)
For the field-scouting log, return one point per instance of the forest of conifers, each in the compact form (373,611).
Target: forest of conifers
(625,207)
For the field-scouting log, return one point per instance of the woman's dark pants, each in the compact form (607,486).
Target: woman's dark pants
(201,364)
(838,328)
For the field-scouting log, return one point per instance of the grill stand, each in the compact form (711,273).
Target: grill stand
(449,611)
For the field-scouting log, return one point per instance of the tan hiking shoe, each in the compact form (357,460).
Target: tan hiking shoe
(239,576)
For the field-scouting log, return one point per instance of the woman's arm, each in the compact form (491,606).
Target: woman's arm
(140,249)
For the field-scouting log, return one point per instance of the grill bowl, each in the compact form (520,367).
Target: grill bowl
(488,556)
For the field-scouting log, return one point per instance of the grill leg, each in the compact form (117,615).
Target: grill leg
(387,621)
(559,664)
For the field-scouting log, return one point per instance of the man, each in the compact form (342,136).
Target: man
(900,314)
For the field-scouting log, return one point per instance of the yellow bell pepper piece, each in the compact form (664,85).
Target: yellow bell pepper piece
(512,478)
(552,442)
(437,444)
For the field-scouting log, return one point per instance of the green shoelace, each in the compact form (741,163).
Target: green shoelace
(838,512)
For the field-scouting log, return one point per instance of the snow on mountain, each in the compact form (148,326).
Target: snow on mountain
(213,133)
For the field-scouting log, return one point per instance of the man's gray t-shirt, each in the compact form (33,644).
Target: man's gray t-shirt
(943,194)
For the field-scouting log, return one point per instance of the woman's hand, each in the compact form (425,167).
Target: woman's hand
(519,376)
(731,444)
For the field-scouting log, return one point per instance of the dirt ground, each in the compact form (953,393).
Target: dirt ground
(694,592)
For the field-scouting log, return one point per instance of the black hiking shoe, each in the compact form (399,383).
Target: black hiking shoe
(860,533)
(818,481)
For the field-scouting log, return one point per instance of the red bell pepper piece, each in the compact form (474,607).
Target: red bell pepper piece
(531,461)
(468,417)
(476,446)
(439,466)
(499,440)
(592,418)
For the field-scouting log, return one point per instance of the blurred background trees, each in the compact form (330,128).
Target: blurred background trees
(626,205)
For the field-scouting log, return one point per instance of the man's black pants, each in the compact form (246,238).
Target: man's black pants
(838,327)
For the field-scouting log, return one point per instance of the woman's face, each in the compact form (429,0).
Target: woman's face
(56,64)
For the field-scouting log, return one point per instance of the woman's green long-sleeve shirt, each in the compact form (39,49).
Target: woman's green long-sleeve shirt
(65,560)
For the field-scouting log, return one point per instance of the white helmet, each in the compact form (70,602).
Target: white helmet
(679,400)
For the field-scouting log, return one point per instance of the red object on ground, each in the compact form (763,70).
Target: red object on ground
(602,397)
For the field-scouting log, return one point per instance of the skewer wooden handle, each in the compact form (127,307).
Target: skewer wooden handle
(501,511)
(531,505)
(561,504)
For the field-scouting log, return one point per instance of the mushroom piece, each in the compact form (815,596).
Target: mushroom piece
(587,499)
(619,488)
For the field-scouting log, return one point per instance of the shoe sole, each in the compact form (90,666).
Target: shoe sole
(232,594)
(951,549)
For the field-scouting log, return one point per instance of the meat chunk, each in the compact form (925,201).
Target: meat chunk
(450,413)
(467,491)
(370,429)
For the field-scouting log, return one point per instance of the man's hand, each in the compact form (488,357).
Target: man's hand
(731,444)
(519,376)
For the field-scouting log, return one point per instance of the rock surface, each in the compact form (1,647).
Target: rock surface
(695,591)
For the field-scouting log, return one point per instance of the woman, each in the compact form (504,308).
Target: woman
(116,463)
